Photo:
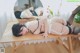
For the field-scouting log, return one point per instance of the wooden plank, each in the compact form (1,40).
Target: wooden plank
(21,43)
(13,48)
(70,45)
(63,43)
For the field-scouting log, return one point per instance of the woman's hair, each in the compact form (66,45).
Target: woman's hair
(17,14)
(16,29)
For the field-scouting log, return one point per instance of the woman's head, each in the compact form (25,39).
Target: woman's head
(19,30)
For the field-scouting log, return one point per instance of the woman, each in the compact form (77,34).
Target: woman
(43,26)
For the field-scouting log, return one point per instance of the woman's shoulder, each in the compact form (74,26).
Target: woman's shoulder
(31,22)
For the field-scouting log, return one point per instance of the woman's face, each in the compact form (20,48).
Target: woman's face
(24,30)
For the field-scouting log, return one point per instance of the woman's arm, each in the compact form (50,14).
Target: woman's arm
(43,21)
(45,34)
(40,22)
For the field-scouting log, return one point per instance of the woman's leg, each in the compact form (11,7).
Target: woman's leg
(73,14)
(76,30)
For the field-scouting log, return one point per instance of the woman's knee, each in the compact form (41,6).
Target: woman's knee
(76,30)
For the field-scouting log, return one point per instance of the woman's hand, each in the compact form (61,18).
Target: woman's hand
(45,35)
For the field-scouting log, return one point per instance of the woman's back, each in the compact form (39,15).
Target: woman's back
(32,25)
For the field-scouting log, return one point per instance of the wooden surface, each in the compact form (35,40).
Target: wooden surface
(50,47)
